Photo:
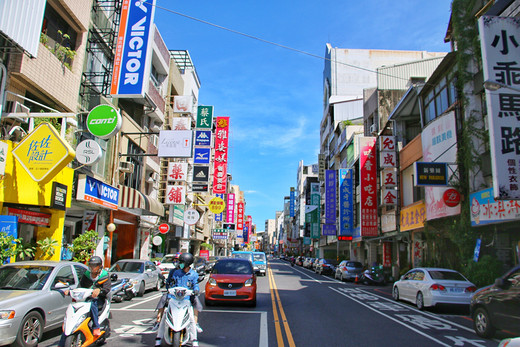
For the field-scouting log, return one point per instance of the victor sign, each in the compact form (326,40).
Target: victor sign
(104,121)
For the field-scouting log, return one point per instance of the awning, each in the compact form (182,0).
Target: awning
(153,207)
(131,198)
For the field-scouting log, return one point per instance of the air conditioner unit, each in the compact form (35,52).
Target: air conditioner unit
(126,166)
(156,177)
(373,129)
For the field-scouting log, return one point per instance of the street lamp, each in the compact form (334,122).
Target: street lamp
(494,86)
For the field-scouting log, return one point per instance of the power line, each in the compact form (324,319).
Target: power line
(274,43)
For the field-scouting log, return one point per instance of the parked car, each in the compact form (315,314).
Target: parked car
(142,273)
(315,263)
(306,262)
(199,265)
(30,303)
(260,262)
(168,262)
(428,287)
(497,306)
(299,260)
(347,270)
(231,280)
(326,267)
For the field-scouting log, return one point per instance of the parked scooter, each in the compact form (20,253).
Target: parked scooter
(77,325)
(374,276)
(177,327)
(121,289)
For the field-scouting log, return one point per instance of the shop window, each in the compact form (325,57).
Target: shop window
(440,98)
(133,179)
(58,36)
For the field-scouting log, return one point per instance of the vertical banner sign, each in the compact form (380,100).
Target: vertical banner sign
(175,195)
(177,171)
(315,215)
(230,212)
(500,38)
(221,155)
(240,219)
(132,62)
(249,223)
(291,203)
(204,117)
(329,228)
(218,216)
(387,254)
(368,183)
(346,202)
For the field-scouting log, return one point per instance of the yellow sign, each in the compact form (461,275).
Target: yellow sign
(413,217)
(217,205)
(43,153)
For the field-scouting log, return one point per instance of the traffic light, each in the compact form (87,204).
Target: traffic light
(345,238)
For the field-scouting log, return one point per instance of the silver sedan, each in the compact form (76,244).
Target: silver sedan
(30,303)
(142,273)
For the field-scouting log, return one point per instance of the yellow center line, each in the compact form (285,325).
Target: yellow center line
(279,336)
(282,313)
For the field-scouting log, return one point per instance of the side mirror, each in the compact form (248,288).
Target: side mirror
(201,278)
(499,282)
(61,285)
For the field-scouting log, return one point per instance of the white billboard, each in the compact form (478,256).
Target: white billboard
(175,143)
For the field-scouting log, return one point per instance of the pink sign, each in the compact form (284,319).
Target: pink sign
(368,183)
(240,217)
(221,155)
(230,208)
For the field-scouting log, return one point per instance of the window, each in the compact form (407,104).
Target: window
(133,179)
(64,275)
(58,33)
(440,98)
(80,271)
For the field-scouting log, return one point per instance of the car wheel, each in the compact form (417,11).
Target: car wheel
(419,301)
(141,289)
(482,323)
(158,285)
(31,330)
(395,293)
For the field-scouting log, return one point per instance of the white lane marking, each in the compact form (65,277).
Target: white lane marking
(141,302)
(264,331)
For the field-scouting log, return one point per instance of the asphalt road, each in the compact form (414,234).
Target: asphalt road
(296,307)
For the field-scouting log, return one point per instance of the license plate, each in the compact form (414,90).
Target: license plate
(456,290)
(230,293)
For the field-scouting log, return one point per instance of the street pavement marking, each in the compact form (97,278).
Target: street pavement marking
(274,292)
(153,297)
(264,340)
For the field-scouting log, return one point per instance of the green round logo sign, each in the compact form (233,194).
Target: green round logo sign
(104,121)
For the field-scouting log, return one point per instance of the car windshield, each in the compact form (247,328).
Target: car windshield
(245,256)
(212,258)
(232,268)
(446,275)
(126,266)
(169,259)
(24,277)
(259,257)
(329,261)
(355,264)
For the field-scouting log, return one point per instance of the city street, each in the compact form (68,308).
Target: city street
(296,307)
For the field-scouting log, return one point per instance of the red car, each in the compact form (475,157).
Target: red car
(231,280)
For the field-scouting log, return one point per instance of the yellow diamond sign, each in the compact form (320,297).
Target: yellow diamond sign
(43,153)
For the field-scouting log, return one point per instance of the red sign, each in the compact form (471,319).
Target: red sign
(30,217)
(221,155)
(204,253)
(451,197)
(164,228)
(387,254)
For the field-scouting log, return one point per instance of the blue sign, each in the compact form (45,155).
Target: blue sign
(346,202)
(218,217)
(100,193)
(202,137)
(9,225)
(132,62)
(291,203)
(329,228)
(202,155)
(246,234)
(476,252)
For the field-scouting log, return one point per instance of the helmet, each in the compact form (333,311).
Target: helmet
(186,259)
(95,261)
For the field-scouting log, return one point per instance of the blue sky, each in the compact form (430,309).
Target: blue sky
(274,96)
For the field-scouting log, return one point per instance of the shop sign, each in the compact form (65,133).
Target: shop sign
(100,193)
(221,155)
(368,185)
(216,205)
(88,152)
(43,153)
(9,225)
(387,254)
(200,173)
(220,234)
(204,253)
(413,217)
(451,197)
(205,117)
(219,216)
(486,210)
(182,103)
(175,195)
(230,211)
(203,138)
(59,196)
(132,61)
(157,240)
(30,217)
(181,123)
(329,228)
(164,228)
(104,121)
(175,144)
(3,157)
(202,155)
(240,215)
(346,202)
(177,171)
(431,174)
(191,216)
(199,188)
(292,199)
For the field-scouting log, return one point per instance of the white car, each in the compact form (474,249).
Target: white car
(167,263)
(427,287)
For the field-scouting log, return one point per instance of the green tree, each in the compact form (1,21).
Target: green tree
(84,245)
(13,247)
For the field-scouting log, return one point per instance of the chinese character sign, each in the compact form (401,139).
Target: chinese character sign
(177,171)
(368,184)
(291,203)
(204,117)
(346,202)
(218,216)
(329,228)
(500,38)
(249,224)
(486,210)
(230,212)
(175,195)
(240,217)
(221,155)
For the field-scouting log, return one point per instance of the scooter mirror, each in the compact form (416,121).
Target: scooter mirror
(113,277)
(201,278)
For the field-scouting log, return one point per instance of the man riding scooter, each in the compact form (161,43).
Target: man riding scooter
(98,279)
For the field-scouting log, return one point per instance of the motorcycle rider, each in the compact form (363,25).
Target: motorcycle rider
(98,279)
(185,277)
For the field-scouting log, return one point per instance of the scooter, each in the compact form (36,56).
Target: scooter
(372,278)
(121,289)
(177,327)
(77,325)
